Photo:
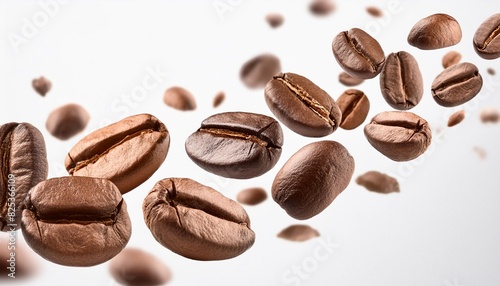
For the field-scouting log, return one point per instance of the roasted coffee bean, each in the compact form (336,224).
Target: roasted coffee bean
(312,178)
(451,58)
(135,267)
(196,221)
(251,196)
(489,115)
(127,152)
(275,19)
(456,118)
(24,164)
(321,7)
(347,80)
(435,32)
(256,72)
(401,82)
(41,85)
(76,221)
(179,98)
(487,38)
(354,106)
(237,145)
(374,11)
(302,106)
(219,98)
(358,53)
(400,136)
(377,182)
(298,232)
(67,121)
(457,85)
(491,71)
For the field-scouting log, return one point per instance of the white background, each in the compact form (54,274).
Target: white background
(442,229)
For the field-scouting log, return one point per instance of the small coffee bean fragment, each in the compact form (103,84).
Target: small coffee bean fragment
(456,85)
(67,121)
(354,105)
(41,85)
(347,80)
(374,11)
(435,32)
(456,118)
(219,98)
(489,115)
(275,19)
(451,58)
(251,196)
(321,7)
(179,98)
(256,72)
(487,38)
(377,182)
(298,232)
(491,71)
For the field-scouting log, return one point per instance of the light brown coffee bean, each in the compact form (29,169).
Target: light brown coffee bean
(67,121)
(451,58)
(491,71)
(179,98)
(41,85)
(256,72)
(487,38)
(322,7)
(456,118)
(219,98)
(378,182)
(298,232)
(196,221)
(491,115)
(347,80)
(374,11)
(435,32)
(354,105)
(401,82)
(275,19)
(400,136)
(251,196)
(456,85)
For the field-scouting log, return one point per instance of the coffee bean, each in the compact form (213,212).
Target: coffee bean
(237,145)
(127,152)
(401,82)
(358,53)
(275,19)
(456,118)
(25,266)
(377,182)
(196,221)
(491,71)
(251,196)
(67,121)
(374,11)
(302,106)
(457,85)
(219,98)
(354,106)
(135,267)
(400,136)
(435,32)
(298,232)
(489,115)
(24,164)
(451,58)
(487,38)
(321,7)
(179,98)
(76,221)
(312,178)
(347,80)
(256,72)
(41,85)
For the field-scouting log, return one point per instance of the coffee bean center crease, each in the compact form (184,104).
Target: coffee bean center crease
(461,78)
(262,141)
(492,36)
(359,50)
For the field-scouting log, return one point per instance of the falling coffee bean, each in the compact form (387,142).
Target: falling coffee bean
(400,136)
(354,106)
(179,98)
(347,80)
(377,182)
(451,58)
(251,196)
(321,7)
(41,85)
(298,232)
(491,71)
(256,72)
(489,115)
(456,85)
(456,118)
(487,38)
(374,11)
(435,32)
(196,221)
(218,99)
(67,121)
(275,19)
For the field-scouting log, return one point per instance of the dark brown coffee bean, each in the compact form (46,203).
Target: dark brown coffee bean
(256,72)
(435,32)
(374,11)
(24,164)
(275,19)
(400,136)
(302,106)
(489,115)
(237,145)
(451,58)
(377,182)
(179,98)
(76,221)
(401,82)
(196,221)
(127,152)
(219,98)
(358,53)
(487,38)
(67,121)
(13,249)
(456,118)
(354,106)
(457,85)
(298,232)
(491,71)
(135,267)
(251,196)
(41,85)
(347,80)
(321,7)
(312,178)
